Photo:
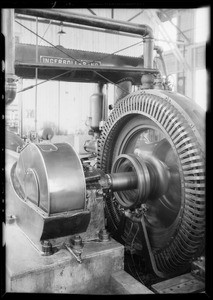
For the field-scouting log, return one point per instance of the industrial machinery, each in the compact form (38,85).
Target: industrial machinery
(167,134)
(148,187)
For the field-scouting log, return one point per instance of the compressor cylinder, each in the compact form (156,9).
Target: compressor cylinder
(96,110)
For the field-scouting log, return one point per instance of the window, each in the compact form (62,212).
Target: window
(201,88)
(202,24)
(202,32)
(171,30)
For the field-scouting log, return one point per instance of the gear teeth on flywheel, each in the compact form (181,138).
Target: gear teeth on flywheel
(188,237)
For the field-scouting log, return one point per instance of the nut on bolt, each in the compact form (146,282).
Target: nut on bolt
(47,248)
(77,243)
(103,235)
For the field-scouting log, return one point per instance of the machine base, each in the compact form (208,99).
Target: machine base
(101,271)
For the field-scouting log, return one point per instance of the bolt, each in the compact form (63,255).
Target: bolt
(47,248)
(77,239)
(77,242)
(103,235)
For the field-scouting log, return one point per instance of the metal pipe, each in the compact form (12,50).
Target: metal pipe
(100,87)
(93,21)
(10,77)
(123,181)
(86,67)
(88,20)
(112,13)
(36,78)
(159,51)
(59,105)
(20,105)
(8,31)
(148,47)
(43,21)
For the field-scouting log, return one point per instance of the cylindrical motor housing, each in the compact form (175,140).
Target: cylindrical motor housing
(51,176)
(96,110)
(148,52)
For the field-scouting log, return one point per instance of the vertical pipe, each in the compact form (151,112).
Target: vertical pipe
(59,100)
(20,106)
(36,77)
(148,50)
(105,113)
(112,13)
(107,101)
(100,91)
(59,90)
(8,31)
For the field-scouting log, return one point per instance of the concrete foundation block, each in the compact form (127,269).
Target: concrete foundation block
(29,272)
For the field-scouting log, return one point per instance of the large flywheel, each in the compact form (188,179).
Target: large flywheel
(164,134)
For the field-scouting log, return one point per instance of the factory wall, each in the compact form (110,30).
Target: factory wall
(60,105)
(192,82)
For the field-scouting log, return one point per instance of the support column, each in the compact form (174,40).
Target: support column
(10,78)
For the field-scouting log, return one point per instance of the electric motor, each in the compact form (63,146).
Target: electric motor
(169,130)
